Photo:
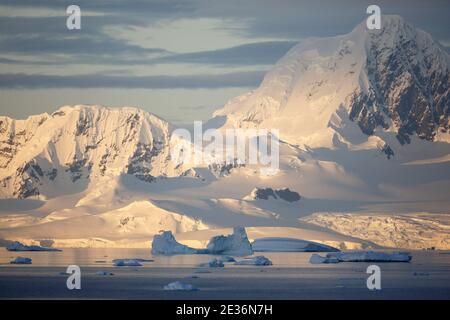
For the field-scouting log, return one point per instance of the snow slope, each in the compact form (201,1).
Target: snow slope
(414,231)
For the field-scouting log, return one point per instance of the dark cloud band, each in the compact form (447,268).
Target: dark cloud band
(209,81)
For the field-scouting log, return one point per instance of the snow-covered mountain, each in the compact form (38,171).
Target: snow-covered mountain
(394,80)
(365,151)
(50,155)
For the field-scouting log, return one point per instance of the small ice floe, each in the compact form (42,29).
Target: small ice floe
(289,245)
(235,244)
(361,256)
(255,261)
(21,260)
(104,273)
(165,244)
(143,260)
(178,285)
(214,263)
(126,263)
(317,259)
(18,246)
(227,259)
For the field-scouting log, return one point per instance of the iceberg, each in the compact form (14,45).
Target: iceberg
(178,285)
(214,263)
(126,263)
(361,256)
(18,246)
(255,261)
(104,273)
(21,260)
(370,256)
(289,245)
(318,259)
(235,244)
(227,259)
(165,244)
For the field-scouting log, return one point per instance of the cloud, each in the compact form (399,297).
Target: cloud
(195,81)
(148,7)
(260,53)
(38,36)
(286,20)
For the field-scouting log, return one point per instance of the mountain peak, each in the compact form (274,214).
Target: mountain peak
(77,145)
(395,79)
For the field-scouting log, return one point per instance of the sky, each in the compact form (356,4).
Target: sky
(179,59)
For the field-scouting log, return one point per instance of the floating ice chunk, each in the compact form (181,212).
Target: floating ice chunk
(104,273)
(18,246)
(214,263)
(289,245)
(21,260)
(126,263)
(236,244)
(317,259)
(178,285)
(227,259)
(370,256)
(165,244)
(142,260)
(255,261)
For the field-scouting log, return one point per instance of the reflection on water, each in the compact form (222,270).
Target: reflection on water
(103,257)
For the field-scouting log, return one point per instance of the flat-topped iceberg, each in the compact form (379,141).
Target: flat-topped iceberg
(289,245)
(21,260)
(255,261)
(178,285)
(236,244)
(361,256)
(165,244)
(371,256)
(126,263)
(18,246)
